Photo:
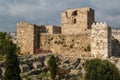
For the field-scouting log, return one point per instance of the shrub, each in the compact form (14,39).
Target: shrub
(12,70)
(97,69)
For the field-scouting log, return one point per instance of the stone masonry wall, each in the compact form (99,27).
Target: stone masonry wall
(78,44)
(116,33)
(51,29)
(77,20)
(101,40)
(25,37)
(116,42)
(75,37)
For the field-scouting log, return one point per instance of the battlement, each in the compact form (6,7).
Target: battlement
(101,40)
(100,25)
(23,24)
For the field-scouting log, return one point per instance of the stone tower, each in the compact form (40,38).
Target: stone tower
(77,20)
(101,40)
(27,37)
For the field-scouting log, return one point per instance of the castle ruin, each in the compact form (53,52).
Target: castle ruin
(79,35)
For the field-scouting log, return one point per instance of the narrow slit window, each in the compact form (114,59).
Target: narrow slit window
(74,21)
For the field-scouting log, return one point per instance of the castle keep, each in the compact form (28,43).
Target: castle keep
(77,20)
(79,35)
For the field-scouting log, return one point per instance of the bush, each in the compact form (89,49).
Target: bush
(97,69)
(12,70)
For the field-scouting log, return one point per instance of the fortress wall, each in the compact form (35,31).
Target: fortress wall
(116,42)
(101,40)
(70,44)
(116,33)
(28,37)
(25,37)
(74,36)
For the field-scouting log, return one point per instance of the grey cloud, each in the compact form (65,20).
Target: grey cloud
(107,10)
(49,11)
(34,11)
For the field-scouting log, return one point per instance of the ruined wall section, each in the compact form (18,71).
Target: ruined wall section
(101,40)
(71,44)
(116,34)
(77,20)
(42,29)
(52,29)
(36,39)
(116,42)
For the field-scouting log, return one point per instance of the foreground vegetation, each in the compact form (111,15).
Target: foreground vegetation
(97,69)
(9,51)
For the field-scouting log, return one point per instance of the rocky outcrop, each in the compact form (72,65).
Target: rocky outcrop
(37,66)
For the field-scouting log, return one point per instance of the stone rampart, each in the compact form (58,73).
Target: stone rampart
(71,44)
(101,40)
(25,37)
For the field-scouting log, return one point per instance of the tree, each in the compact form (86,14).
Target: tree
(96,69)
(7,48)
(3,39)
(52,66)
(12,70)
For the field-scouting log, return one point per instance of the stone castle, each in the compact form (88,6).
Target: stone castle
(79,35)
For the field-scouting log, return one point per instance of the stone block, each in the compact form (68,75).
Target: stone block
(24,68)
(40,58)
(37,65)
(75,71)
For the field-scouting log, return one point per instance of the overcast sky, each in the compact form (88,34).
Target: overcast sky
(48,12)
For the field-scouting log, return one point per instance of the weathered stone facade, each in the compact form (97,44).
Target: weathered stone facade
(76,36)
(51,29)
(116,42)
(26,37)
(116,34)
(77,20)
(101,40)
(71,44)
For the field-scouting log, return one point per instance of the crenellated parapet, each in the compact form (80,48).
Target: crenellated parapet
(100,25)
(24,24)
